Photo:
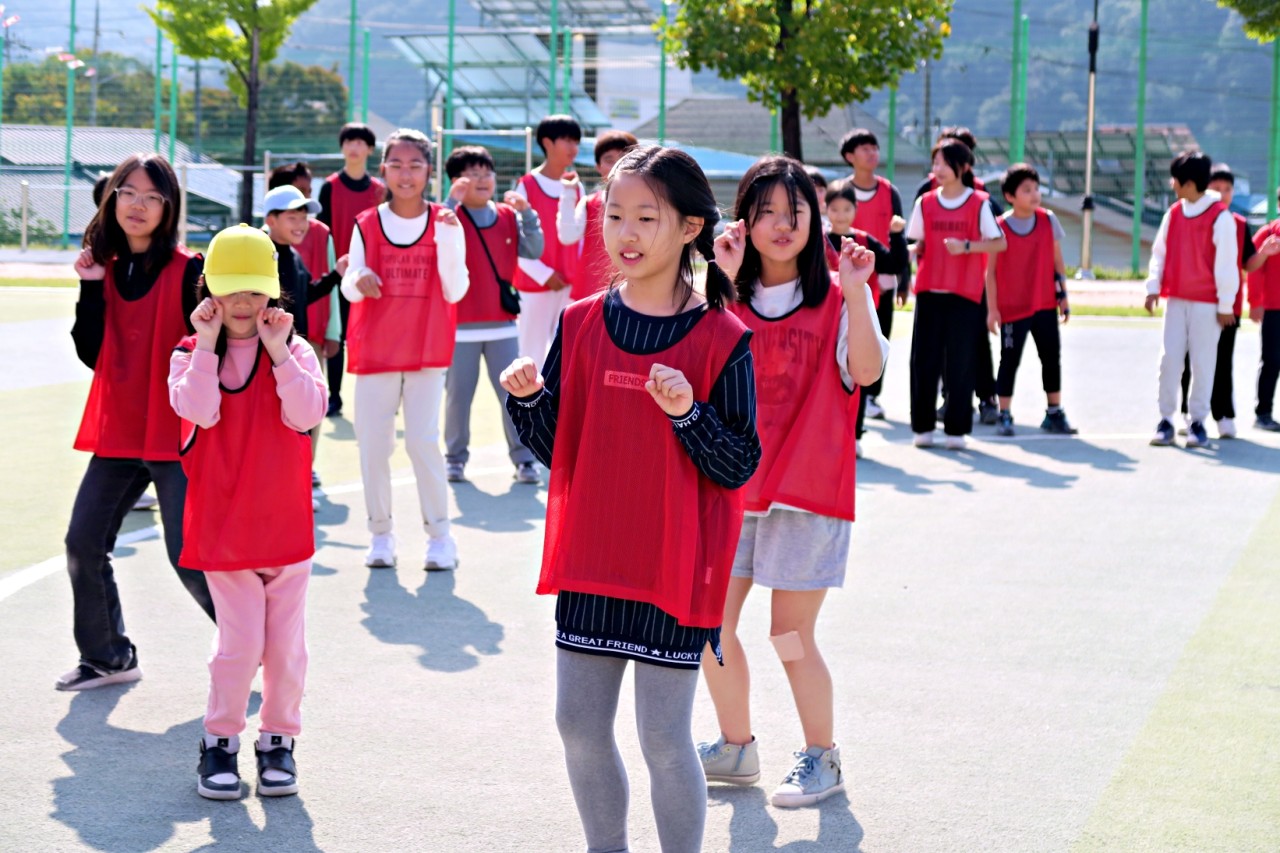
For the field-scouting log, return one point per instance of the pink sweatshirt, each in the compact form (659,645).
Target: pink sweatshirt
(194,380)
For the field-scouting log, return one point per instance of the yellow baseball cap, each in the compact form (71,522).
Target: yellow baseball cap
(242,258)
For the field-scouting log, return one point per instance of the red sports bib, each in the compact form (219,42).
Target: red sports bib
(562,259)
(127,415)
(411,326)
(628,514)
(595,268)
(482,303)
(248,482)
(939,271)
(1189,254)
(805,417)
(314,250)
(1024,270)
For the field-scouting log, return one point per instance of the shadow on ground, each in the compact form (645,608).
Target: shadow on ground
(752,828)
(451,631)
(515,510)
(129,791)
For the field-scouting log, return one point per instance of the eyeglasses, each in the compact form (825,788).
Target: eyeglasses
(130,197)
(411,166)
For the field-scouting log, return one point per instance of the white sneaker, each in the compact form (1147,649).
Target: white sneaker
(857,449)
(874,410)
(442,553)
(382,552)
(923,439)
(954,442)
(145,501)
(315,504)
(815,777)
(1226,428)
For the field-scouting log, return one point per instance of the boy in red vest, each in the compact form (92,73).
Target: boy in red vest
(544,282)
(1264,308)
(497,236)
(879,212)
(582,223)
(1025,292)
(1194,265)
(1222,402)
(344,195)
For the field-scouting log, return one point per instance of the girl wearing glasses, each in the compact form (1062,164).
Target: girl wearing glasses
(137,289)
(406,271)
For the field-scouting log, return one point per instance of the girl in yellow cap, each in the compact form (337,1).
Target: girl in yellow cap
(248,390)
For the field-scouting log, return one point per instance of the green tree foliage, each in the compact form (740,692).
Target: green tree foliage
(1261,17)
(303,106)
(244,34)
(807,56)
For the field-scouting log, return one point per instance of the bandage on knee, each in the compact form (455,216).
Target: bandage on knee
(788,646)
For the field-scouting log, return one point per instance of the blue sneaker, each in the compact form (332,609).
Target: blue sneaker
(729,762)
(1005,425)
(1163,436)
(815,777)
(1196,435)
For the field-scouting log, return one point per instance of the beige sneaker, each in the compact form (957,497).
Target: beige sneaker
(730,763)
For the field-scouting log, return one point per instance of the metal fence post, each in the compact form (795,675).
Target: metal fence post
(182,208)
(26,207)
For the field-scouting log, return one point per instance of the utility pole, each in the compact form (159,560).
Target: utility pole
(927,131)
(1140,145)
(93,81)
(1086,207)
(197,140)
(71,112)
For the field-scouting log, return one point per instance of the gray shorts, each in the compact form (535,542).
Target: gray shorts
(795,551)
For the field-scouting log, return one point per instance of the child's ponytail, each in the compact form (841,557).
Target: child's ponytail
(719,287)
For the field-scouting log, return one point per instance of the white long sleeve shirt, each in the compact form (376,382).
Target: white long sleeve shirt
(571,218)
(1226,272)
(451,257)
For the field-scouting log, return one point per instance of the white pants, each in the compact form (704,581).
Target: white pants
(1190,328)
(539,315)
(378,397)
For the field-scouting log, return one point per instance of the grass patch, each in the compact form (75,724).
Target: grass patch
(38,282)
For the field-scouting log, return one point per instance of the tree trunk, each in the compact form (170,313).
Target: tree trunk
(791,125)
(250,132)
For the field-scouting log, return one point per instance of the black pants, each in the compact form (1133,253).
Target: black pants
(109,490)
(1043,328)
(984,379)
(1221,404)
(1269,369)
(337,361)
(943,342)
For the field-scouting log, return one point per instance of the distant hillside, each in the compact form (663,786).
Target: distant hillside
(1202,70)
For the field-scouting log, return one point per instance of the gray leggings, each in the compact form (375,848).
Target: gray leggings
(587,688)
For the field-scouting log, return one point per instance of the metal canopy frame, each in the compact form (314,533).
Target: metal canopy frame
(585,14)
(500,76)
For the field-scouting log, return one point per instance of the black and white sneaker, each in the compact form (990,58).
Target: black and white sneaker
(87,676)
(277,772)
(219,771)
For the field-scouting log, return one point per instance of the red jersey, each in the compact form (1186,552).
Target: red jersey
(805,417)
(248,500)
(1024,270)
(876,213)
(411,326)
(645,526)
(562,259)
(1264,282)
(314,250)
(1189,255)
(482,303)
(937,270)
(595,267)
(345,205)
(127,414)
(833,254)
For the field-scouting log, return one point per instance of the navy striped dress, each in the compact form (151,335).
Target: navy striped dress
(720,438)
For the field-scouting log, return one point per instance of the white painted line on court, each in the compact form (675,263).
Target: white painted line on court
(23,578)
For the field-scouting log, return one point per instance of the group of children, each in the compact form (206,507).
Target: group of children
(741,402)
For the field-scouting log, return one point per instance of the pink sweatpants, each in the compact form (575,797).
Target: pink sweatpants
(261,619)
